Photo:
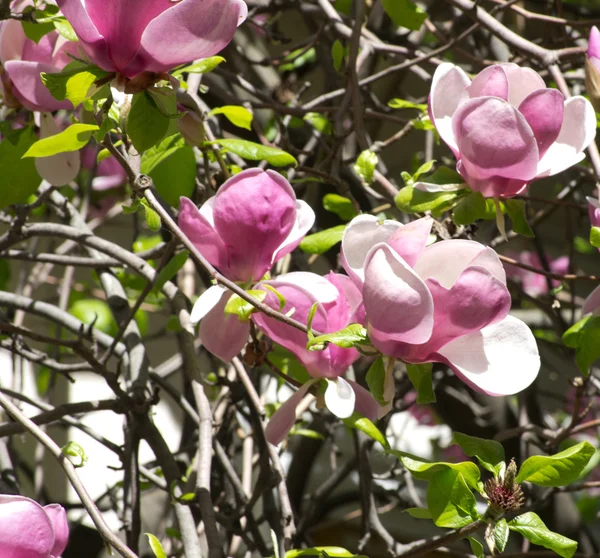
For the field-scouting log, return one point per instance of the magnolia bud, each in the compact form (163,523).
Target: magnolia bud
(505,494)
(191,128)
(592,68)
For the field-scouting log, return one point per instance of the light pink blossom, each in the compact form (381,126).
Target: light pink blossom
(130,37)
(506,128)
(253,221)
(28,530)
(23,60)
(535,284)
(446,303)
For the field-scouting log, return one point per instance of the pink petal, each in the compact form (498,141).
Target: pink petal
(207,301)
(448,91)
(28,86)
(254,213)
(222,334)
(58,517)
(59,169)
(187,31)
(501,359)
(410,240)
(399,305)
(26,531)
(594,43)
(12,40)
(492,186)
(365,403)
(305,219)
(351,294)
(577,132)
(594,211)
(543,110)
(521,82)
(361,234)
(283,419)
(592,302)
(202,233)
(491,82)
(494,138)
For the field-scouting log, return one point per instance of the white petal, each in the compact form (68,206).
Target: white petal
(501,359)
(206,302)
(340,398)
(361,234)
(319,287)
(435,188)
(521,82)
(305,219)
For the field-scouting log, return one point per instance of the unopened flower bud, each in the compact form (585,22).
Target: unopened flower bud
(505,494)
(592,68)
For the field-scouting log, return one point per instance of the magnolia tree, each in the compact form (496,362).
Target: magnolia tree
(312,278)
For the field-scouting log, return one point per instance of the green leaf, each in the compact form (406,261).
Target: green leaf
(471,208)
(73,82)
(423,169)
(257,152)
(411,200)
(405,14)
(559,469)
(20,178)
(341,206)
(320,242)
(146,123)
(319,122)
(172,166)
(350,336)
(489,453)
(534,530)
(75,453)
(363,424)
(501,533)
(337,54)
(476,547)
(443,176)
(152,218)
(595,237)
(298,58)
(332,551)
(170,270)
(365,166)
(450,500)
(35,31)
(418,513)
(242,308)
(238,116)
(73,138)
(92,311)
(516,211)
(584,336)
(421,379)
(202,66)
(375,379)
(155,546)
(65,29)
(402,104)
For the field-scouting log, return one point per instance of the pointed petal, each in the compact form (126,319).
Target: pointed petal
(577,132)
(206,302)
(365,403)
(448,90)
(501,359)
(58,517)
(320,287)
(222,334)
(305,219)
(594,43)
(284,418)
(522,82)
(592,302)
(491,82)
(340,398)
(361,234)
(399,305)
(543,110)
(410,240)
(494,138)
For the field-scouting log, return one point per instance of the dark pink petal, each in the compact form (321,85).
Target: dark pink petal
(365,403)
(521,82)
(448,91)
(25,529)
(543,110)
(594,211)
(492,186)
(188,30)
(254,213)
(58,517)
(28,86)
(201,231)
(494,138)
(410,240)
(491,82)
(223,335)
(594,43)
(399,305)
(352,296)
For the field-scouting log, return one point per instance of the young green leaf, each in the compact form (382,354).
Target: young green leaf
(202,66)
(257,152)
(238,116)
(92,311)
(155,546)
(363,424)
(584,336)
(15,171)
(320,242)
(375,379)
(402,104)
(73,138)
(337,54)
(595,237)
(152,218)
(534,530)
(242,308)
(405,14)
(420,376)
(340,205)
(146,124)
(365,166)
(471,208)
(501,533)
(319,122)
(476,547)
(516,211)
(411,200)
(170,270)
(350,336)
(556,470)
(75,453)
(450,500)
(331,551)
(418,513)
(74,82)
(489,453)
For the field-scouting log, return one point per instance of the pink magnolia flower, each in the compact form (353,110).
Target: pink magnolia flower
(253,221)
(23,60)
(109,173)
(339,303)
(591,304)
(443,303)
(130,37)
(535,284)
(28,530)
(506,128)
(594,211)
(592,68)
